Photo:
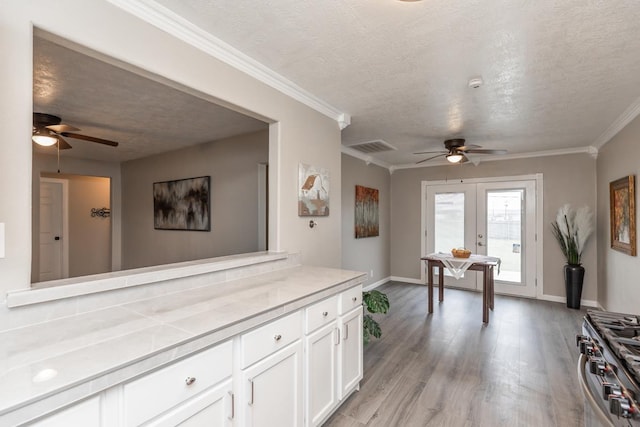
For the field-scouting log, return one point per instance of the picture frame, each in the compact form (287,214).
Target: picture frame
(313,191)
(182,204)
(367,222)
(622,215)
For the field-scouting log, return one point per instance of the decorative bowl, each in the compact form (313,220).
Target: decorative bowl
(461,253)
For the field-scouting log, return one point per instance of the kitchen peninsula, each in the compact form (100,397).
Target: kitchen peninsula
(207,345)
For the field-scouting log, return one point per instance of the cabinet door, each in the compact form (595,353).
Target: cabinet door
(211,408)
(350,367)
(321,373)
(272,390)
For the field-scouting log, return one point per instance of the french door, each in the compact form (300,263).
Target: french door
(495,218)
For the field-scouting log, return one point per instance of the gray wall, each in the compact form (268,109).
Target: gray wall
(567,179)
(232,164)
(370,253)
(618,273)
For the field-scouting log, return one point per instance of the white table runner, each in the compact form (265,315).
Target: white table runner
(457,266)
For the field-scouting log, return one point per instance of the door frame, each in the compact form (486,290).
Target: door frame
(538,178)
(65,223)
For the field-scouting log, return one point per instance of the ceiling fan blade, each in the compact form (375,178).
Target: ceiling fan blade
(429,158)
(486,151)
(64,145)
(431,152)
(467,147)
(62,128)
(464,159)
(90,138)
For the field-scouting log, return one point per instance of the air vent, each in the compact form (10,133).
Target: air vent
(376,146)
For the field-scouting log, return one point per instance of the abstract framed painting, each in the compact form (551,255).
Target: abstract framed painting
(622,206)
(182,204)
(367,223)
(313,191)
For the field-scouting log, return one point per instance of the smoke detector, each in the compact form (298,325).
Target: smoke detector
(475,82)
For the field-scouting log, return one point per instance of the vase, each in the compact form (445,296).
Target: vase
(573,279)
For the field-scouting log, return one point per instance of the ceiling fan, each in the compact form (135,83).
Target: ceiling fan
(456,151)
(49,130)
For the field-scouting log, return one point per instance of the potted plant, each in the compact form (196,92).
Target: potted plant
(572,229)
(376,302)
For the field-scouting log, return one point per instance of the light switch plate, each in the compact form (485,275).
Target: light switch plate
(1,239)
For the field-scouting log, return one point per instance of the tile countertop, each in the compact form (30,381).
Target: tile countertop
(90,352)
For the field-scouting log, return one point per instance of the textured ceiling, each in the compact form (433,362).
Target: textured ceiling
(105,101)
(557,74)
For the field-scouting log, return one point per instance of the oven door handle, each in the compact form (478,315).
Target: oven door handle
(586,391)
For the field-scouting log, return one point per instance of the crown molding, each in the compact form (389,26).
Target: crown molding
(177,26)
(366,158)
(624,119)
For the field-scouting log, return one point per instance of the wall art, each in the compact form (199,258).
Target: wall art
(313,191)
(622,206)
(367,222)
(183,204)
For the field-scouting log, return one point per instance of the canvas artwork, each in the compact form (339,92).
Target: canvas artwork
(622,214)
(313,191)
(367,223)
(182,204)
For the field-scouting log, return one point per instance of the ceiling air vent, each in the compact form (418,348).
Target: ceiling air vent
(376,146)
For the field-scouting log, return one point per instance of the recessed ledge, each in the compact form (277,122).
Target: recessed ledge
(73,287)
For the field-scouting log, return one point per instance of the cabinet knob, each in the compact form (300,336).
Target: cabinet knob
(277,337)
(325,313)
(354,299)
(190,380)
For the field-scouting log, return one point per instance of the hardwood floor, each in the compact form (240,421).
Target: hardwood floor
(447,369)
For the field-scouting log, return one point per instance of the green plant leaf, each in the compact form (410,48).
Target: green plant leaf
(370,328)
(376,301)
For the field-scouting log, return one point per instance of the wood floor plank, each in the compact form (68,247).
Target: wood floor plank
(448,369)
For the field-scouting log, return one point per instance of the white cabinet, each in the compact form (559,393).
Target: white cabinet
(271,390)
(350,366)
(333,353)
(85,413)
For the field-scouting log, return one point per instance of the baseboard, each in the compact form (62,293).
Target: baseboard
(376,284)
(407,280)
(555,298)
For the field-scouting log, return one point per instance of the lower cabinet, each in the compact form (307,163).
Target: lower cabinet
(271,390)
(290,372)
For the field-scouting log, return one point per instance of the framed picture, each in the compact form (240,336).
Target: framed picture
(367,222)
(623,214)
(183,204)
(313,191)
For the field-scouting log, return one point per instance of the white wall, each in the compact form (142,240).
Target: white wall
(619,286)
(300,135)
(370,253)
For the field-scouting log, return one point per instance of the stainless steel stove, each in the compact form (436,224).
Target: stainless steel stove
(609,368)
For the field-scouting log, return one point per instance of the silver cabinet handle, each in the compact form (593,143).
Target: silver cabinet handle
(354,299)
(325,313)
(346,331)
(338,336)
(277,337)
(190,380)
(251,400)
(233,406)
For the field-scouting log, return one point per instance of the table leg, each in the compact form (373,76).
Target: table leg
(485,296)
(430,285)
(492,291)
(441,283)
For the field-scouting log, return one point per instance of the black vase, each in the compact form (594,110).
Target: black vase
(573,278)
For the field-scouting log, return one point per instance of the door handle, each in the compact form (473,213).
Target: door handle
(56,238)
(480,244)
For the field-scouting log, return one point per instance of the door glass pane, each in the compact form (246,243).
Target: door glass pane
(449,221)
(504,232)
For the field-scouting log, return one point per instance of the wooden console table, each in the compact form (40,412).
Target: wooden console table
(481,263)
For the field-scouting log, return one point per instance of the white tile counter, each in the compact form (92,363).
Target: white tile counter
(46,365)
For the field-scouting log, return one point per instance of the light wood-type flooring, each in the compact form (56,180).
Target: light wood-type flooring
(447,369)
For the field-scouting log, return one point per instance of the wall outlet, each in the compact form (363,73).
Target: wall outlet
(371,273)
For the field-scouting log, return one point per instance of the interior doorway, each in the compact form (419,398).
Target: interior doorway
(496,217)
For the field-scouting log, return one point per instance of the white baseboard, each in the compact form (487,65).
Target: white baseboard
(555,298)
(376,284)
(407,280)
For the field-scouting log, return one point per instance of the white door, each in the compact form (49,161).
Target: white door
(52,230)
(351,351)
(321,373)
(496,218)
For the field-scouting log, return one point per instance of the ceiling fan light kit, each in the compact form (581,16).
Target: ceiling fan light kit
(49,130)
(456,151)
(454,157)
(44,137)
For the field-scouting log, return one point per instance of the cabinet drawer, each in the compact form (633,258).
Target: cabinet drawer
(269,338)
(159,391)
(350,299)
(320,313)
